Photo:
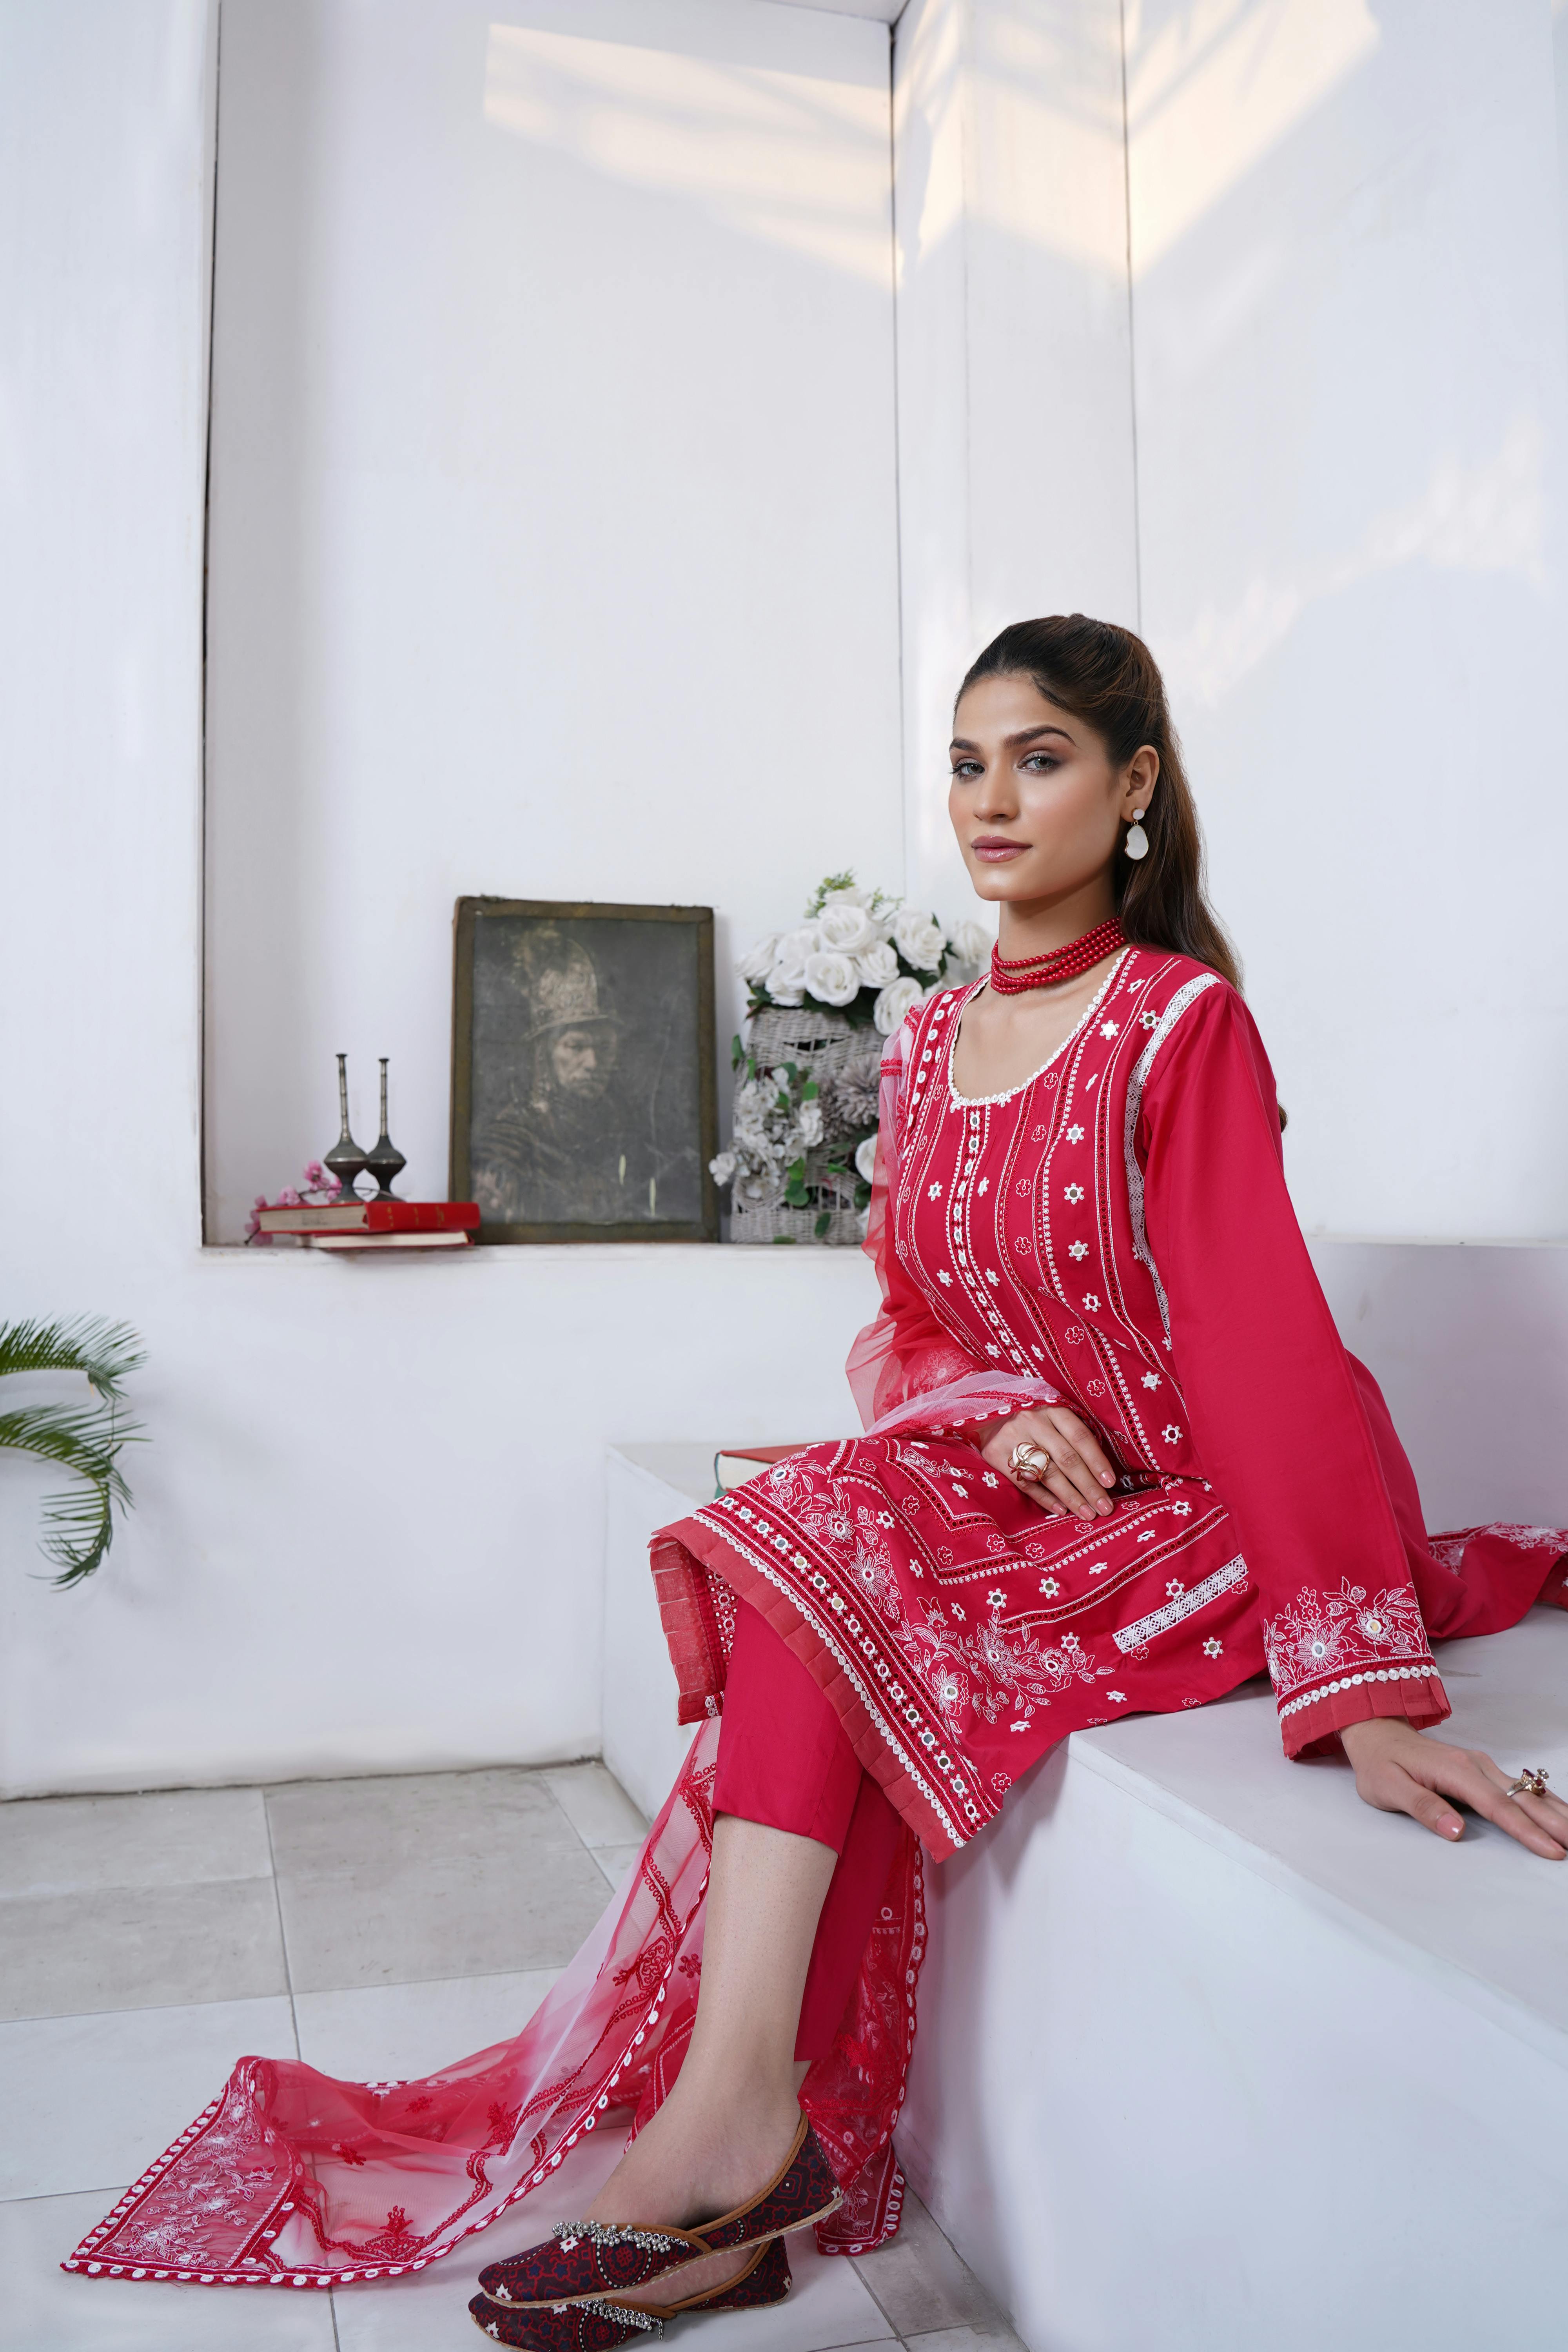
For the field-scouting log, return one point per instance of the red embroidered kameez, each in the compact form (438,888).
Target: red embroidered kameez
(1116,1236)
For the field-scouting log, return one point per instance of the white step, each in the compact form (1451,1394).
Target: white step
(1210,2053)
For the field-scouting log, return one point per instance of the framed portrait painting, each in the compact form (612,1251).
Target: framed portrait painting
(585,1106)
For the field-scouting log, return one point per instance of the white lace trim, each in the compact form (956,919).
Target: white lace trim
(1160,1621)
(1419,1674)
(1178,1004)
(978,1102)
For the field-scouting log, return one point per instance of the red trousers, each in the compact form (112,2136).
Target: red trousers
(784,1760)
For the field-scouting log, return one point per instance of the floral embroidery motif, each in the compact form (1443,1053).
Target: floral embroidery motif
(1213,1648)
(997,1673)
(1079,1249)
(1116,1694)
(1110,1028)
(1150,1379)
(1451,1550)
(1049,1586)
(1171,1434)
(1075,1135)
(1321,1634)
(1073,1192)
(1090,1303)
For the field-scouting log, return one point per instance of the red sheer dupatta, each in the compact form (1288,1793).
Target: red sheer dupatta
(291,2178)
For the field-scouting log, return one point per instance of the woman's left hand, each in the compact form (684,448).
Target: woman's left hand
(1400,1771)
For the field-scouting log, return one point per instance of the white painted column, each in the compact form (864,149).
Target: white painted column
(1016,451)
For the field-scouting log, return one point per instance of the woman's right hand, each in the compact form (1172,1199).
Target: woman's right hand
(1400,1771)
(1079,1474)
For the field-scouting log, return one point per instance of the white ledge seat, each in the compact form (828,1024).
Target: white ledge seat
(1210,2053)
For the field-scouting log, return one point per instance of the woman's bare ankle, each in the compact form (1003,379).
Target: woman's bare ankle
(698,2160)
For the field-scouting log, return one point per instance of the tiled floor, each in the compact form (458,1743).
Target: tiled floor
(372,1928)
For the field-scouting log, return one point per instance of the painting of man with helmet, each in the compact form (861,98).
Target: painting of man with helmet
(582,1070)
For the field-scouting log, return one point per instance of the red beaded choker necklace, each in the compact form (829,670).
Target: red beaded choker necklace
(1057,964)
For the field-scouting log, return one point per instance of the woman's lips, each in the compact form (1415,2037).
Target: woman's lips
(995,849)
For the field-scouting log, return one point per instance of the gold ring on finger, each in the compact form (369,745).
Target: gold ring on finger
(1531,1782)
(1029,1461)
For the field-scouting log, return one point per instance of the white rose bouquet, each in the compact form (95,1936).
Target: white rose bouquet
(865,954)
(799,1144)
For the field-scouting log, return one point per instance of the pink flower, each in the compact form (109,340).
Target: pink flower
(315,1177)
(289,1197)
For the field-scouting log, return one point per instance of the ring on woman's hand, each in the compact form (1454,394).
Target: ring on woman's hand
(1030,1460)
(1531,1782)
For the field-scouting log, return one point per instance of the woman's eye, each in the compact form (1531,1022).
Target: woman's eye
(966,768)
(1041,761)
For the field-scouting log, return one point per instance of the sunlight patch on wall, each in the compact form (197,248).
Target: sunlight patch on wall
(797,160)
(1214,87)
(1049,130)
(1485,518)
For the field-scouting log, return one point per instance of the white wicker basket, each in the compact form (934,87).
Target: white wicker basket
(827,1043)
(781,1225)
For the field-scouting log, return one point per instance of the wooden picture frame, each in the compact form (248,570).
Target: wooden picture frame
(584,1079)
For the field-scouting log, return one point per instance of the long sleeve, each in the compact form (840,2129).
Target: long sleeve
(1271,1397)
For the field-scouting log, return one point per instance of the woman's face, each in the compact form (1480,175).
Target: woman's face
(1035,800)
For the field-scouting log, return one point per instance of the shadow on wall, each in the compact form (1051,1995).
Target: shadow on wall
(744,141)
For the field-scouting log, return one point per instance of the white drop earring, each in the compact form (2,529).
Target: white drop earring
(1137,841)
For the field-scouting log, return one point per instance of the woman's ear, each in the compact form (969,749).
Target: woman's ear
(1142,775)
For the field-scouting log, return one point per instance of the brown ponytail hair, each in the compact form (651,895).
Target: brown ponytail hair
(1108,677)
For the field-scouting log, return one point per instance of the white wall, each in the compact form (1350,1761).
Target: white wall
(1352,419)
(1015,378)
(369,1517)
(1340,515)
(554,525)
(370,1492)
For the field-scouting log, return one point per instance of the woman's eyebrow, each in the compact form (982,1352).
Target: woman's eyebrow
(1027,735)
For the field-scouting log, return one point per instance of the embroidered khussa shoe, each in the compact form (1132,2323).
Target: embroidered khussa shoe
(594,2325)
(587,2259)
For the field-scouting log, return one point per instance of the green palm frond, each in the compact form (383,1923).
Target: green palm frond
(106,1352)
(84,1439)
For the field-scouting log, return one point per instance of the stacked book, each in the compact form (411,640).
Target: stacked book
(369,1226)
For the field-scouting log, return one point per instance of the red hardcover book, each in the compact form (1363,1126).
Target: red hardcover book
(372,1217)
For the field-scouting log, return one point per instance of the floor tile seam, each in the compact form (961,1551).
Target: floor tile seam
(877,2299)
(46,2196)
(136,1886)
(399,1984)
(283,1944)
(144,2008)
(333,1780)
(357,1867)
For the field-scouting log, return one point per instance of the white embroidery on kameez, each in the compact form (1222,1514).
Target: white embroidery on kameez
(1198,1596)
(1186,995)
